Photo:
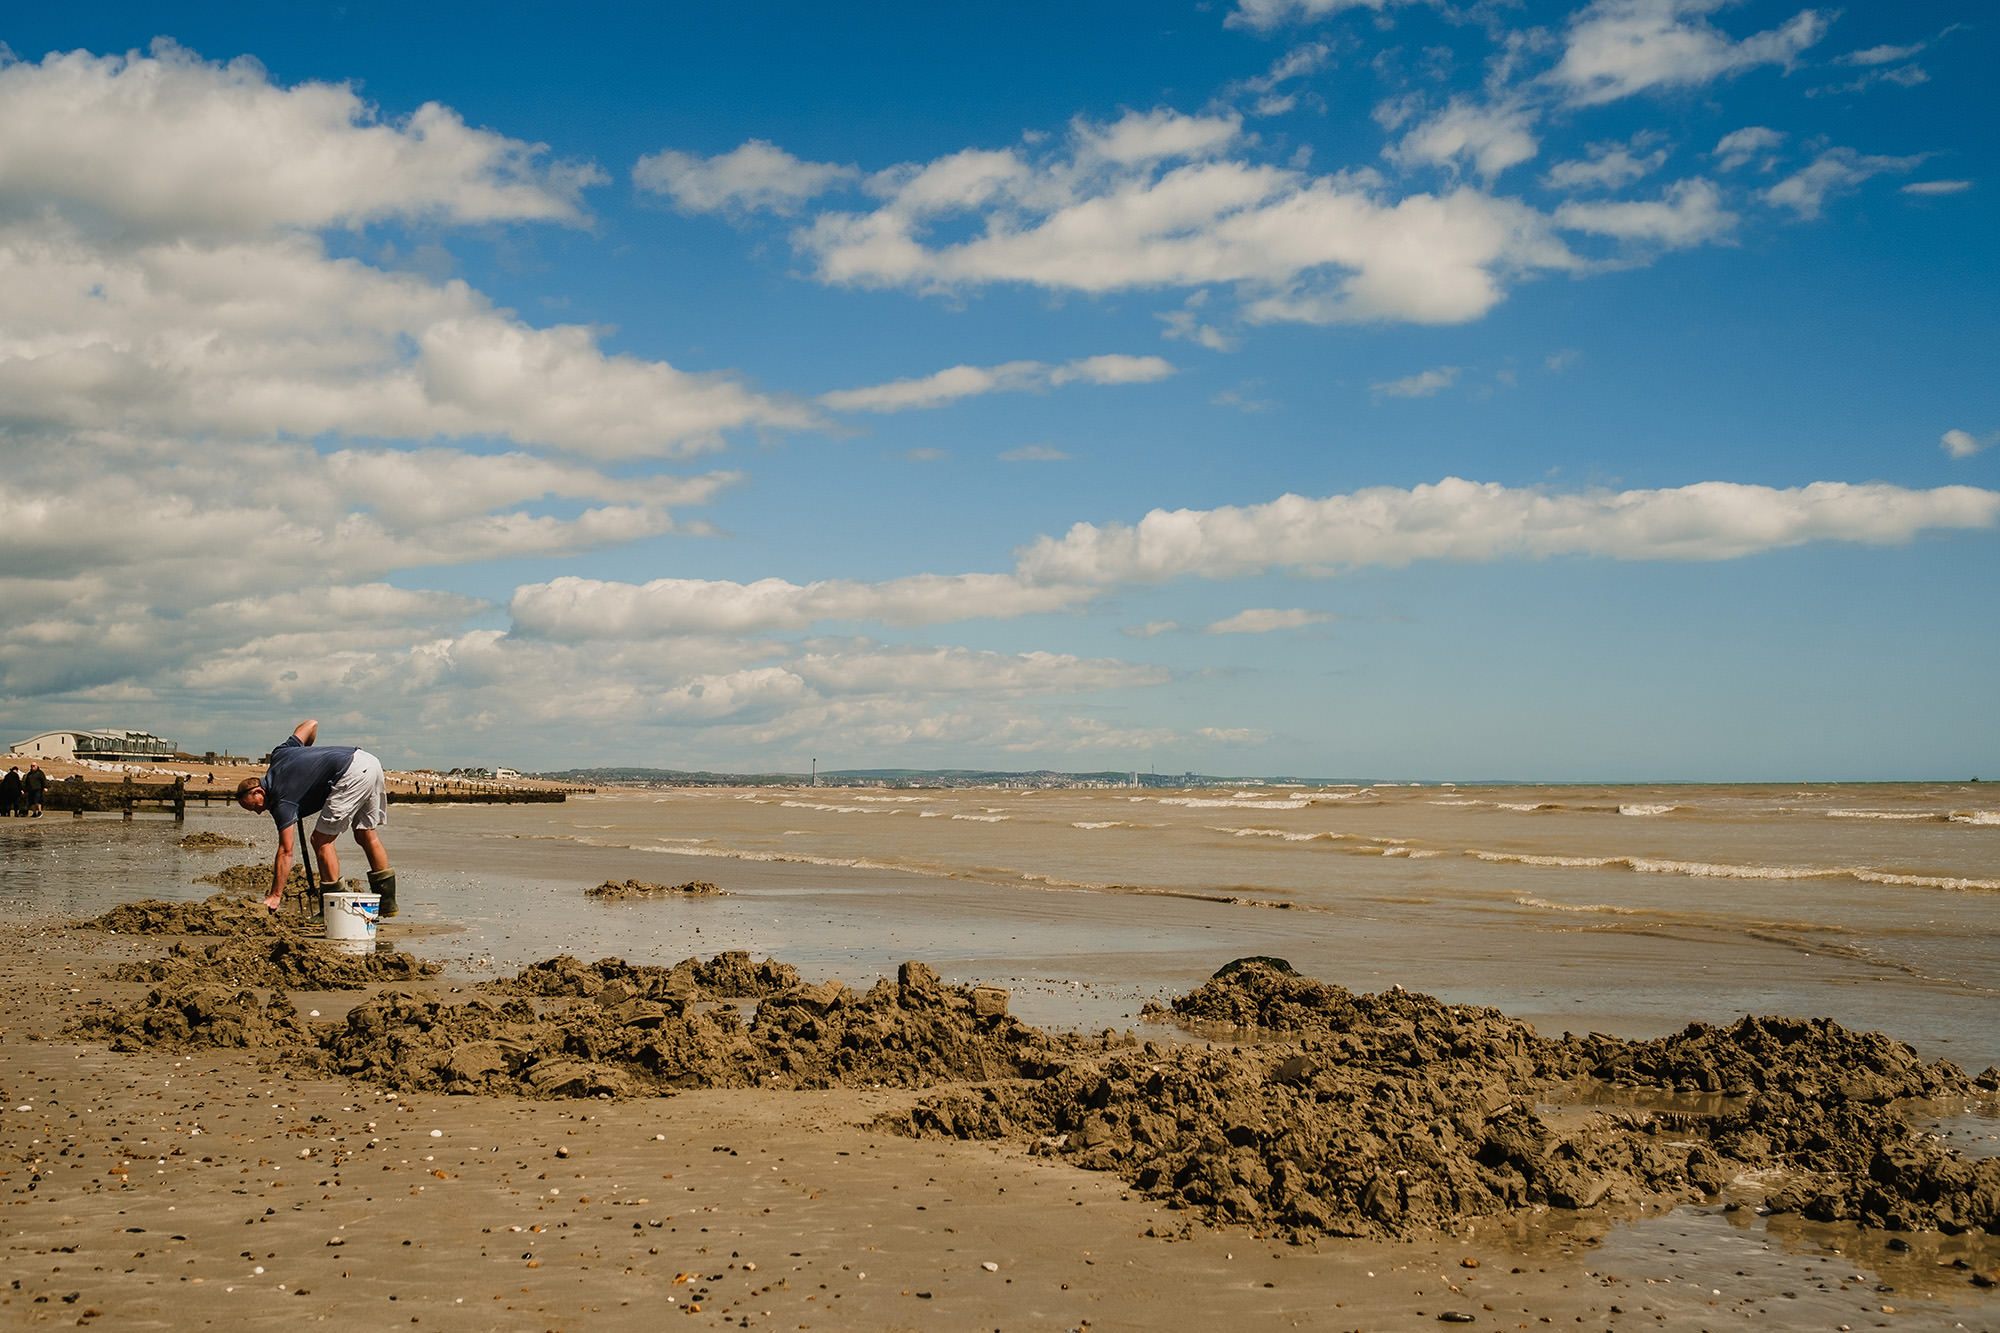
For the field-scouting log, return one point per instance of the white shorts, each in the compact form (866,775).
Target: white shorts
(359,799)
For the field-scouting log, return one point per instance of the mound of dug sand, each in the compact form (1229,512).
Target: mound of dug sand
(632,889)
(1383,1115)
(275,961)
(729,975)
(225,913)
(1397,1113)
(206,841)
(179,1017)
(624,1038)
(254,878)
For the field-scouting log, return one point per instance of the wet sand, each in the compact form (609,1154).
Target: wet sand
(150,1188)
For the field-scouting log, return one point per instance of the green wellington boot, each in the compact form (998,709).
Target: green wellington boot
(384,883)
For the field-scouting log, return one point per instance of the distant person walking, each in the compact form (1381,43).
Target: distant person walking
(10,793)
(344,786)
(33,783)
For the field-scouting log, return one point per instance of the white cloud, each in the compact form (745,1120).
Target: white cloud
(1234,735)
(1615,48)
(934,671)
(1301,248)
(1151,629)
(1964,444)
(573,608)
(1734,149)
(956,382)
(1263,620)
(1139,138)
(1186,324)
(1937,187)
(1878,55)
(1472,521)
(1610,166)
(1488,138)
(172,144)
(1903,76)
(755,175)
(160,273)
(1264,15)
(1421,385)
(1689,213)
(251,338)
(1294,64)
(1835,171)
(1034,453)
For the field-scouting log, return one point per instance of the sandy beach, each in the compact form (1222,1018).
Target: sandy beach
(177,1184)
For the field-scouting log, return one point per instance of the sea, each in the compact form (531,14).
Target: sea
(1633,910)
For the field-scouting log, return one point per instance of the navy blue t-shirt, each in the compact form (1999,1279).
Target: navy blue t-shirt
(301,777)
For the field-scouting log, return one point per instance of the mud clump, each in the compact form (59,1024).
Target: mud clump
(254,878)
(183,1017)
(284,961)
(1367,1115)
(729,975)
(638,1031)
(225,913)
(633,889)
(1396,1113)
(206,841)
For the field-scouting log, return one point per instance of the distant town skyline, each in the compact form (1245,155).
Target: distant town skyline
(1586,391)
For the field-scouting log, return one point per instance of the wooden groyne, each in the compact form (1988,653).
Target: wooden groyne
(130,797)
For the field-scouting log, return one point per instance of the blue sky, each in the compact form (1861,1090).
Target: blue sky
(1402,389)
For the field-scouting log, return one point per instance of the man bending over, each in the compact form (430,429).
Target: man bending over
(344,786)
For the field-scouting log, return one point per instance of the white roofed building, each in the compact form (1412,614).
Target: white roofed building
(107,743)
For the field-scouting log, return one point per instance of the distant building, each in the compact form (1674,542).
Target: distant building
(505,773)
(109,743)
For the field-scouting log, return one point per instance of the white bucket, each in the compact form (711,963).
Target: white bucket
(351,916)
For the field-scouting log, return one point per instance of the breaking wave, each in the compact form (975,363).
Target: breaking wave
(1716,870)
(1648,808)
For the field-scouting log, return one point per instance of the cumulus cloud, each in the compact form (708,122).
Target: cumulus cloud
(950,385)
(1264,15)
(1263,620)
(1485,137)
(756,175)
(1234,735)
(1420,385)
(1964,444)
(1834,172)
(1148,202)
(1609,166)
(1689,213)
(161,272)
(1615,48)
(578,608)
(1739,146)
(170,144)
(1472,521)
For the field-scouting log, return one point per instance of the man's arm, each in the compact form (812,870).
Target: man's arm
(281,867)
(307,731)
